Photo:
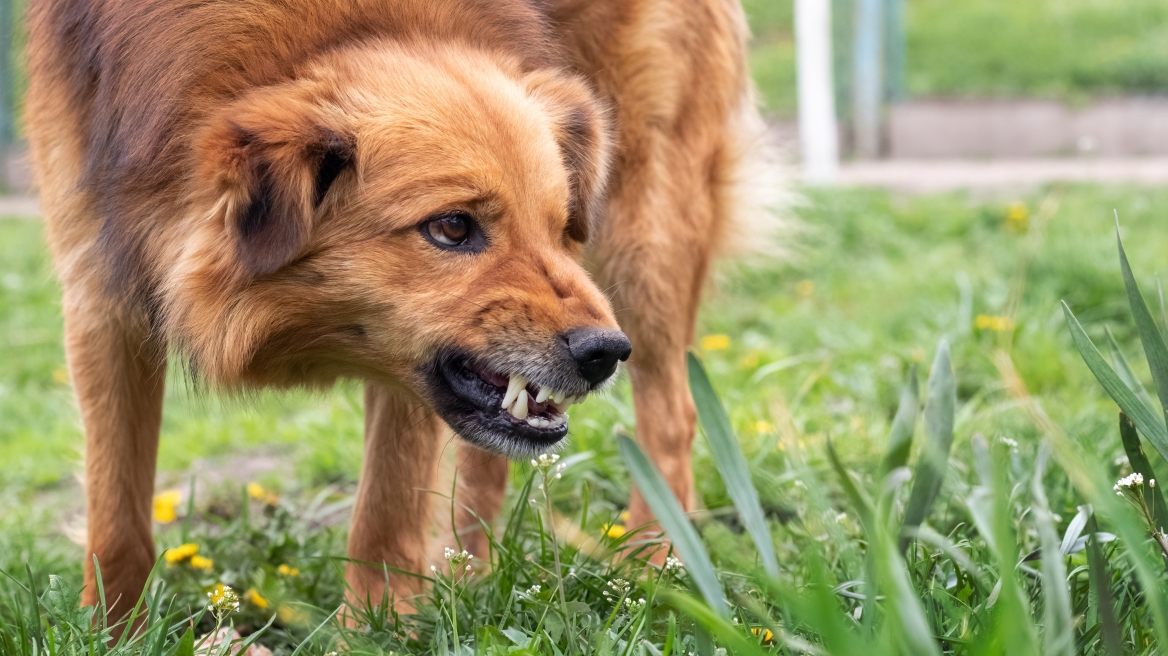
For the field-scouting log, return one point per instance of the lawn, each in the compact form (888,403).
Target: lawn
(1068,50)
(799,351)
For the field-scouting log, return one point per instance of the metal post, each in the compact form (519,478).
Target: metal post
(869,91)
(817,120)
(894,50)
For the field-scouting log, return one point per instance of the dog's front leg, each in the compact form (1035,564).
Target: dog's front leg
(118,372)
(402,442)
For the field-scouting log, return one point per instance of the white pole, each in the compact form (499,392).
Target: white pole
(817,121)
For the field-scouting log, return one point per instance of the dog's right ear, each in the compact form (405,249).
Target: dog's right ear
(271,159)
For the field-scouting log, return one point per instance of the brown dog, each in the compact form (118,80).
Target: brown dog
(286,193)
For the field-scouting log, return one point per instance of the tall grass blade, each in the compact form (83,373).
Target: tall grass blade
(1058,624)
(930,473)
(671,517)
(856,495)
(1145,420)
(718,626)
(1139,463)
(1155,350)
(1100,592)
(903,425)
(1123,369)
(730,462)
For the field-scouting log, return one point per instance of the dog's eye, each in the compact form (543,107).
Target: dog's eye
(456,231)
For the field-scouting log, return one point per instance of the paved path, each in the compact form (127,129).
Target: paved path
(921,176)
(948,175)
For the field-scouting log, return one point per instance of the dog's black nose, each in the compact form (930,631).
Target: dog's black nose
(597,350)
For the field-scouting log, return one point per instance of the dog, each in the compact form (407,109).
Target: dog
(427,195)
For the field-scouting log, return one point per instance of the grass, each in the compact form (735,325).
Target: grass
(799,352)
(1068,50)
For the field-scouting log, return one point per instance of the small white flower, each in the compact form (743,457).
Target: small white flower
(1152,483)
(674,566)
(1134,479)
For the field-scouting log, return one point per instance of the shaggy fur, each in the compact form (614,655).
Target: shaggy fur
(242,184)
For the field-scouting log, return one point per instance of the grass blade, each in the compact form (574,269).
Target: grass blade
(1058,624)
(1123,369)
(718,626)
(1145,420)
(1139,463)
(730,462)
(1100,585)
(857,496)
(671,517)
(1155,350)
(930,472)
(900,437)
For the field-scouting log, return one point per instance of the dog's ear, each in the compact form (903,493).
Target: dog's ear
(272,162)
(580,121)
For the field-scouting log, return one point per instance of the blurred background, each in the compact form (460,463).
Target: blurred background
(912,79)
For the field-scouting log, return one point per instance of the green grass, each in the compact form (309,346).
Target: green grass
(818,348)
(1062,49)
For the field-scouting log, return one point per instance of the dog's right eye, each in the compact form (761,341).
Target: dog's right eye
(456,232)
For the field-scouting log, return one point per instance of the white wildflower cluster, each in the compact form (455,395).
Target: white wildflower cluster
(224,601)
(617,588)
(634,606)
(458,557)
(1013,444)
(674,567)
(533,590)
(547,462)
(1130,481)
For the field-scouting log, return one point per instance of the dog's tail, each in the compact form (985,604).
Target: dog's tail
(758,200)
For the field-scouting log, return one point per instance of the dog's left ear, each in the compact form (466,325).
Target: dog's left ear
(580,121)
(271,160)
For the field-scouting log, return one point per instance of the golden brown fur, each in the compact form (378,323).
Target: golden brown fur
(241,184)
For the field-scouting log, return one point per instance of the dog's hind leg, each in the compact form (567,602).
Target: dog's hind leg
(119,373)
(403,439)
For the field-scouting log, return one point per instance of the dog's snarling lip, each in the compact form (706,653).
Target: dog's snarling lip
(500,412)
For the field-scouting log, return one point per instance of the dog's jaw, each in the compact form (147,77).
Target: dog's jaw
(509,414)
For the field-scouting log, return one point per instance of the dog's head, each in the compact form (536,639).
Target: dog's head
(411,216)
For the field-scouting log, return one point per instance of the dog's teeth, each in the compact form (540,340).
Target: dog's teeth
(533,422)
(519,410)
(514,386)
(543,395)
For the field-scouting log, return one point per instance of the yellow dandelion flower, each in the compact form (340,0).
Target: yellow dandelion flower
(782,446)
(164,505)
(284,570)
(614,531)
(985,322)
(766,634)
(804,289)
(256,491)
(763,427)
(715,342)
(256,599)
(181,553)
(61,375)
(1017,216)
(624,516)
(199,562)
(290,615)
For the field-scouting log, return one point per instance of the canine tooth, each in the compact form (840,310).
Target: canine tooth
(543,395)
(514,386)
(557,397)
(519,410)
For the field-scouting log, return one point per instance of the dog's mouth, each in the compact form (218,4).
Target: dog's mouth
(505,413)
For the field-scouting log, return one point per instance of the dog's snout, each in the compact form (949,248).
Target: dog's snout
(596,351)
